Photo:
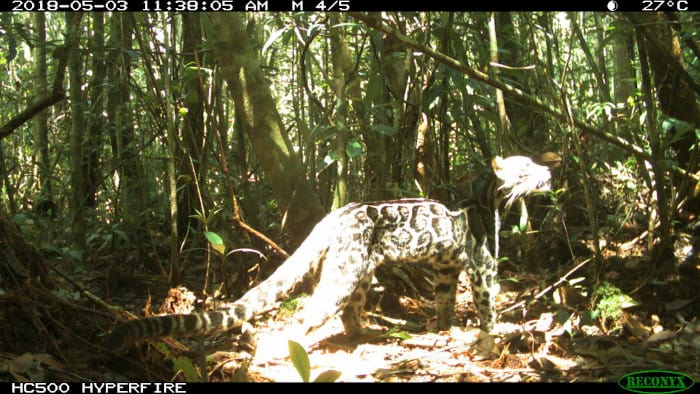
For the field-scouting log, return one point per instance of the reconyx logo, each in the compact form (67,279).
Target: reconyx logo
(656,381)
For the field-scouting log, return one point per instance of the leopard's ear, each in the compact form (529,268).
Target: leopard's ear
(549,159)
(497,163)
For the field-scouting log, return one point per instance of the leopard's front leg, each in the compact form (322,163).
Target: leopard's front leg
(482,270)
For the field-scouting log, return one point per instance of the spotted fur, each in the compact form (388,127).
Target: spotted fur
(345,248)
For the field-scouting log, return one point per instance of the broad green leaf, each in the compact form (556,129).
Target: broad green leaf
(300,360)
(213,238)
(185,365)
(216,242)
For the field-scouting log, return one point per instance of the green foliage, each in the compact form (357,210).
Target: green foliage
(213,238)
(608,302)
(216,242)
(290,306)
(353,149)
(180,364)
(273,37)
(677,129)
(300,360)
(599,110)
(206,220)
(241,374)
(396,332)
(186,366)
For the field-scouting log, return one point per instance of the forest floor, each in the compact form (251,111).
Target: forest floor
(549,330)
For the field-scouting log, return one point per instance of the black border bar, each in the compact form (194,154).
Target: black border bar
(349,5)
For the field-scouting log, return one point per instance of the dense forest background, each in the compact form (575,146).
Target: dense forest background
(140,151)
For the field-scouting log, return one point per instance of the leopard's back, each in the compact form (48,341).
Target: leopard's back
(342,252)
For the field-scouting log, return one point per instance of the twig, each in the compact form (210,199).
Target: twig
(552,286)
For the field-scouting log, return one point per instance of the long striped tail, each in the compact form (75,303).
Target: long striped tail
(257,300)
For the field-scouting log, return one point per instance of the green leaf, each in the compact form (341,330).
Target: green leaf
(216,242)
(353,149)
(680,128)
(273,37)
(212,214)
(206,24)
(300,360)
(328,376)
(200,217)
(185,365)
(75,254)
(121,234)
(326,162)
(523,218)
(213,238)
(403,335)
(218,248)
(313,28)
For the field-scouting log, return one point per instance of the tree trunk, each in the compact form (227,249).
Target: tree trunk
(96,120)
(623,86)
(676,98)
(193,135)
(240,65)
(77,179)
(41,121)
(342,67)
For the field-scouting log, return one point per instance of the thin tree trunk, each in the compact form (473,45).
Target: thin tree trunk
(342,67)
(76,132)
(41,120)
(192,161)
(96,121)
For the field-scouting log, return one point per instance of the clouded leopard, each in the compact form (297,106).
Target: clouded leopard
(342,252)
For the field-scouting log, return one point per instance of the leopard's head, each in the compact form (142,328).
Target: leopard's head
(520,176)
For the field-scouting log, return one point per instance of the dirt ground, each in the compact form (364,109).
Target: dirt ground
(54,323)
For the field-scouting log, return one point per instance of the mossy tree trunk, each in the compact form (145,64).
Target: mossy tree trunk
(255,107)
